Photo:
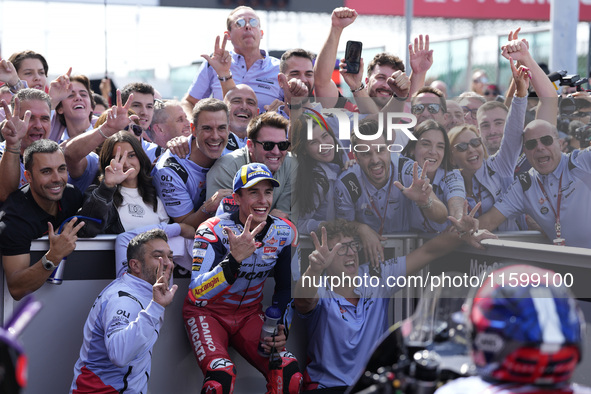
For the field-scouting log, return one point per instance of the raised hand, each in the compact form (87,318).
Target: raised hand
(421,58)
(243,246)
(321,257)
(8,73)
(342,17)
(516,48)
(220,60)
(114,174)
(522,77)
(420,190)
(292,88)
(399,82)
(160,291)
(15,128)
(61,245)
(117,118)
(60,87)
(468,223)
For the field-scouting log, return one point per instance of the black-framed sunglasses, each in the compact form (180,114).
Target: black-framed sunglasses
(463,146)
(253,22)
(137,129)
(269,145)
(546,140)
(418,109)
(355,246)
(473,111)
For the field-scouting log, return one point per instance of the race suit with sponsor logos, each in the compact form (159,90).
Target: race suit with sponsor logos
(223,306)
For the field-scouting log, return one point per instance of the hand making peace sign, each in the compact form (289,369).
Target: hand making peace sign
(243,246)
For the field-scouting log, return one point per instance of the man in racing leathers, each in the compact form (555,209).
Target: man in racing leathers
(232,256)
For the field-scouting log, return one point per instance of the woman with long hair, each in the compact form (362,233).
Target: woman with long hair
(126,200)
(487,178)
(432,145)
(319,164)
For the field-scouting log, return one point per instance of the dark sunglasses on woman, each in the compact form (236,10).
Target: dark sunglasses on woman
(463,146)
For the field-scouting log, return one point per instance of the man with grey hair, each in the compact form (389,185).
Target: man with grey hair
(470,102)
(37,209)
(169,121)
(27,120)
(130,311)
(555,192)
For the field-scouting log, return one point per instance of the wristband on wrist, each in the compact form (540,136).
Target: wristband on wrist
(427,205)
(400,98)
(224,79)
(210,213)
(359,89)
(101,133)
(16,87)
(15,151)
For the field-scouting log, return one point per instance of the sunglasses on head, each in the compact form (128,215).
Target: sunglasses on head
(269,145)
(354,245)
(137,129)
(418,109)
(463,146)
(531,144)
(240,23)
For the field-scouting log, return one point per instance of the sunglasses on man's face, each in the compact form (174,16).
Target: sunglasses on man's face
(240,23)
(463,146)
(137,129)
(547,140)
(269,145)
(420,108)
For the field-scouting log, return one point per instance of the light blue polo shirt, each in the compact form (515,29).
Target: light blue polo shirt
(342,335)
(261,77)
(526,196)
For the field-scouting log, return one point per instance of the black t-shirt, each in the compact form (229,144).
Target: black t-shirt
(22,220)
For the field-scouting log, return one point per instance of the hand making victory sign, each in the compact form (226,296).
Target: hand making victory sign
(117,118)
(420,190)
(15,128)
(161,293)
(220,59)
(322,256)
(243,246)
(114,172)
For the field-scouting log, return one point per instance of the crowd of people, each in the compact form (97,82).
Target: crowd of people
(259,150)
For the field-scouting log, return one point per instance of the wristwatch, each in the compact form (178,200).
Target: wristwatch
(48,265)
